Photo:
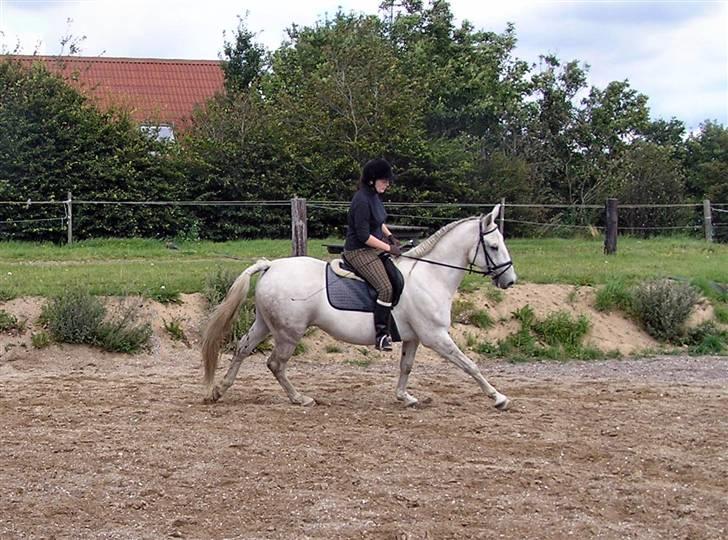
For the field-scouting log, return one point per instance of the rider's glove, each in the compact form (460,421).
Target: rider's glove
(393,241)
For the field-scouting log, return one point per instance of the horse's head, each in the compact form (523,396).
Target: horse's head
(491,253)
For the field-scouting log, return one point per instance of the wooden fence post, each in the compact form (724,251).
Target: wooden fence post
(707,221)
(69,209)
(610,239)
(299,229)
(502,214)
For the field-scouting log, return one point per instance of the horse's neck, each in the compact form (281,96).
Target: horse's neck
(452,249)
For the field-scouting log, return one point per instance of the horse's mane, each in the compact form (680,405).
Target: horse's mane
(426,245)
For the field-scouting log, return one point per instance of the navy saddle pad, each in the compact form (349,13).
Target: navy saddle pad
(349,294)
(354,295)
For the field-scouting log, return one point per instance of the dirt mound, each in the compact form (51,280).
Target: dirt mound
(609,331)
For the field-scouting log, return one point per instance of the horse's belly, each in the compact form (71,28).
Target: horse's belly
(350,326)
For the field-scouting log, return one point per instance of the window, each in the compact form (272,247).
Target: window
(162,133)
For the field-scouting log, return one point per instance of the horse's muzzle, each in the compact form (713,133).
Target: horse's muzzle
(505,282)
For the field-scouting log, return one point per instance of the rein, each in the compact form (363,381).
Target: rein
(491,267)
(437,263)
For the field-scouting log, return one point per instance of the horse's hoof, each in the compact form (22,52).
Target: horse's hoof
(213,396)
(502,403)
(307,401)
(409,401)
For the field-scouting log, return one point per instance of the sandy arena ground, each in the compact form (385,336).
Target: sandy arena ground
(95,445)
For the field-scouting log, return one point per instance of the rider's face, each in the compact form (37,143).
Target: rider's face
(381,185)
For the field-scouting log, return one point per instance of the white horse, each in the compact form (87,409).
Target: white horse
(291,296)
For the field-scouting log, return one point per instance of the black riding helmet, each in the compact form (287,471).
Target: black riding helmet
(376,169)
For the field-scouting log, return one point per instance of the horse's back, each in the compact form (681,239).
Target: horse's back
(297,264)
(293,275)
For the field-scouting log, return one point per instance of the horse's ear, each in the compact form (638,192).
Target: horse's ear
(490,218)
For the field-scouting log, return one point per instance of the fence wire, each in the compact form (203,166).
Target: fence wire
(24,219)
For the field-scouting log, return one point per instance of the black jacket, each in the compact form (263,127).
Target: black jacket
(366,217)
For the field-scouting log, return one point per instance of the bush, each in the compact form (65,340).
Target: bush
(706,339)
(663,306)
(122,333)
(165,296)
(561,330)
(460,310)
(216,287)
(465,312)
(7,321)
(481,319)
(77,317)
(519,345)
(74,317)
(217,284)
(494,294)
(6,295)
(614,295)
(175,331)
(721,313)
(486,348)
(559,336)
(40,340)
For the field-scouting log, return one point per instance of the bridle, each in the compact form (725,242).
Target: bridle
(491,268)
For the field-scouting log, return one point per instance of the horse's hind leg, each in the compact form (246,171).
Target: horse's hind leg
(409,348)
(277,362)
(247,344)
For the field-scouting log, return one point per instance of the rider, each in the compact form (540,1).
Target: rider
(367,238)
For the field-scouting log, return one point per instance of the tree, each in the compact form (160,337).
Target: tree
(608,122)
(53,140)
(244,60)
(650,174)
(707,163)
(551,143)
(337,97)
(469,78)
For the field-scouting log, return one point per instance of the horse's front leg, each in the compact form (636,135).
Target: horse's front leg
(409,348)
(443,344)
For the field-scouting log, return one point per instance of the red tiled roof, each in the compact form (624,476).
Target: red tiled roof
(154,90)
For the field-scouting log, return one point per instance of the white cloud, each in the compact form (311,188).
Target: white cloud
(675,52)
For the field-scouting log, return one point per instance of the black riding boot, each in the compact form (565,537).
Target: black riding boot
(381,327)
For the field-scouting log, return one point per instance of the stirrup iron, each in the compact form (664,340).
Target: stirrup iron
(384,343)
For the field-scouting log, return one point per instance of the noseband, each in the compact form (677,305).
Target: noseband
(490,266)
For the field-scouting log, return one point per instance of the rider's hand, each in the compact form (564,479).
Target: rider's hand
(393,241)
(394,250)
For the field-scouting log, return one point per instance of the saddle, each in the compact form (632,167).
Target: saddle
(347,291)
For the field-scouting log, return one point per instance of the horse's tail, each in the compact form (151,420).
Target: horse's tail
(221,321)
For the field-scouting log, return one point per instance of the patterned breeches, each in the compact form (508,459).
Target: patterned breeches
(367,263)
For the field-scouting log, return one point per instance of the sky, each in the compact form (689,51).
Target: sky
(675,52)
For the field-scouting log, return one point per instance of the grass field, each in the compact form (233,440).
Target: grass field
(137,266)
